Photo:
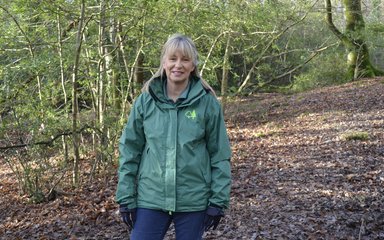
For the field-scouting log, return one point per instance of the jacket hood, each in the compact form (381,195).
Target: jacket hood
(196,91)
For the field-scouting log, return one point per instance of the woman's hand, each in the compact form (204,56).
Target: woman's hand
(213,217)
(128,216)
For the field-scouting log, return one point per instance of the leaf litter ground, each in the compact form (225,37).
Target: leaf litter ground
(295,175)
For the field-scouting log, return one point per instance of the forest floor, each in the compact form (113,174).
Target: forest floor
(297,174)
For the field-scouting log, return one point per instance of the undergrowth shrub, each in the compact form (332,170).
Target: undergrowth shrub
(37,170)
(325,70)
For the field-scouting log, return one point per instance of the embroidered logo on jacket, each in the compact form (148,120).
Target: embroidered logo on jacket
(191,114)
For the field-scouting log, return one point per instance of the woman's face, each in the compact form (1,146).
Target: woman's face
(178,67)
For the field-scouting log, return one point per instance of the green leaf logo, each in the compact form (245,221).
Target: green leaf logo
(191,114)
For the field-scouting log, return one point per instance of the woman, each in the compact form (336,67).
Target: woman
(174,152)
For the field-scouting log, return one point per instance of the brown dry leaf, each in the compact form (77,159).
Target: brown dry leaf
(293,176)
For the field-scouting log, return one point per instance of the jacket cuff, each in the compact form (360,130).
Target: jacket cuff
(128,205)
(215,206)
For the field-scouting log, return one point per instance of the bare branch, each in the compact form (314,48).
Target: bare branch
(313,55)
(50,141)
(248,77)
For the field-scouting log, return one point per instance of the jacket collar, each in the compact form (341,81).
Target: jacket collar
(183,95)
(196,91)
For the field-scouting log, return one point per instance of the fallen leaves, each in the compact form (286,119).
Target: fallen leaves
(294,176)
(308,182)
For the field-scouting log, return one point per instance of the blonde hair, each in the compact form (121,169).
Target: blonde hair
(178,42)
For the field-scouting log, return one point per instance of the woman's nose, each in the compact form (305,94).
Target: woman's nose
(178,63)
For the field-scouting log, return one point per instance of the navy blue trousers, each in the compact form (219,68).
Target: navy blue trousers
(153,224)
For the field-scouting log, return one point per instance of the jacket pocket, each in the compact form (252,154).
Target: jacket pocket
(206,172)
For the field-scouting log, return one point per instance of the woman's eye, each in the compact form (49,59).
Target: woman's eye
(186,59)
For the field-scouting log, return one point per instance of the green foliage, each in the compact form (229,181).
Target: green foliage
(374,37)
(326,70)
(355,135)
(36,99)
(376,27)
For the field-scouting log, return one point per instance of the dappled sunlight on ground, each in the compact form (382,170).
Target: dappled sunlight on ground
(295,175)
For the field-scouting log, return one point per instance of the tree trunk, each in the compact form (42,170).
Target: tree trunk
(62,78)
(75,108)
(103,78)
(60,52)
(112,62)
(125,90)
(224,80)
(139,72)
(358,54)
(358,60)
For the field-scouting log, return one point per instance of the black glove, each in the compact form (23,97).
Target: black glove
(128,216)
(212,217)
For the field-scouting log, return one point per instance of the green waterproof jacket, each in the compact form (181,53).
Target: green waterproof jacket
(174,156)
